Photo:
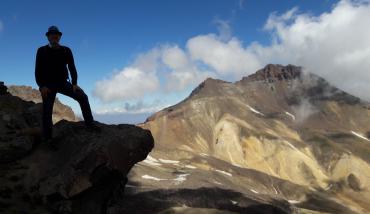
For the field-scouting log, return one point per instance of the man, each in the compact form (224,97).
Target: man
(52,77)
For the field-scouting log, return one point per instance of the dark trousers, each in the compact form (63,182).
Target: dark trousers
(48,103)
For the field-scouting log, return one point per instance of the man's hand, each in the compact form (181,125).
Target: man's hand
(45,91)
(76,87)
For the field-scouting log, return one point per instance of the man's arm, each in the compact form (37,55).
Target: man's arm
(71,66)
(38,72)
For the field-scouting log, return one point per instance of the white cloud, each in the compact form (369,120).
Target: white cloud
(182,70)
(170,62)
(129,83)
(334,45)
(226,58)
(138,107)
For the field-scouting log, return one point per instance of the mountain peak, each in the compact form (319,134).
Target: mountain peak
(274,73)
(209,85)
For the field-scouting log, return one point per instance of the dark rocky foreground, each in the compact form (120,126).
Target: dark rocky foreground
(86,171)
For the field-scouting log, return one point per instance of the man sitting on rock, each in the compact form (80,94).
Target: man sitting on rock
(52,77)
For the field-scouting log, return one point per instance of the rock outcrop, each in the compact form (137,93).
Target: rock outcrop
(27,93)
(85,174)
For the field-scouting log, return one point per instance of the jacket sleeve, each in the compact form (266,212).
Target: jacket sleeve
(38,70)
(71,66)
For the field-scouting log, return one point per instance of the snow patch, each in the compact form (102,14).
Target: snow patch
(237,165)
(181,178)
(151,161)
(190,166)
(255,191)
(359,135)
(291,146)
(223,172)
(233,202)
(216,182)
(153,178)
(276,192)
(168,161)
(255,111)
(291,115)
(204,154)
(294,201)
(329,187)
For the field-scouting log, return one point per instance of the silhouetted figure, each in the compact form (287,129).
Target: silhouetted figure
(52,77)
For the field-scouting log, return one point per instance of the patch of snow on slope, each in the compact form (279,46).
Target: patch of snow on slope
(237,165)
(359,135)
(294,201)
(151,161)
(234,202)
(295,148)
(223,172)
(168,161)
(153,178)
(255,111)
(329,187)
(291,115)
(190,166)
(255,191)
(181,178)
(291,146)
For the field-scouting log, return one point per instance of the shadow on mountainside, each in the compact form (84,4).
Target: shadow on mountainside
(162,200)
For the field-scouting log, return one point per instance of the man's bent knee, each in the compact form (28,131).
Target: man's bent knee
(82,96)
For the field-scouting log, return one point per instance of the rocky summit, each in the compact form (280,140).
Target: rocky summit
(84,171)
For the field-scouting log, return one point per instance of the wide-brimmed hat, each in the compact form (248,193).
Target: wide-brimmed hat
(53,29)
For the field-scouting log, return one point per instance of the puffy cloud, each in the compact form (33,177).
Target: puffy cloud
(225,57)
(182,71)
(129,83)
(170,62)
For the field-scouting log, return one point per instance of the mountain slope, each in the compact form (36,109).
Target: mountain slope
(27,93)
(280,134)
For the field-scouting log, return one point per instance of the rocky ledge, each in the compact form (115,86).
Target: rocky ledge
(84,175)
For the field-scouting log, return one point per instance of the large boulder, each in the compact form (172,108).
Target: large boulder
(87,170)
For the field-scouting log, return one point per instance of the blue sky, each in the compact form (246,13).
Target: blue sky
(108,36)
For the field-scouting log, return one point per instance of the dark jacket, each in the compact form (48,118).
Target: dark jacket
(51,66)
